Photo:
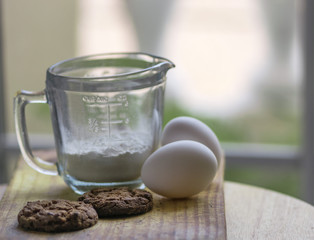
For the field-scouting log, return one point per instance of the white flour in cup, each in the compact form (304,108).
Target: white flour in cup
(106,161)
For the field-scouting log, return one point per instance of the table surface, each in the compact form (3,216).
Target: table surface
(257,213)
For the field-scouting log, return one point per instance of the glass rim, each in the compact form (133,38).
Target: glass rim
(156,61)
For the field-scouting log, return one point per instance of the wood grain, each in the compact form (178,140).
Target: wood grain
(259,214)
(199,217)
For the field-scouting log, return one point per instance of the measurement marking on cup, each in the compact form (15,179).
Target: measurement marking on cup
(109,125)
(93,105)
(93,125)
(107,112)
(112,122)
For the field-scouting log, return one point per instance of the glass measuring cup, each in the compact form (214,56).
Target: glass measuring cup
(106,113)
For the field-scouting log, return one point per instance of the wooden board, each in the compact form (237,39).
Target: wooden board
(199,217)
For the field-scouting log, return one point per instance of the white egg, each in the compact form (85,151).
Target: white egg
(188,128)
(179,169)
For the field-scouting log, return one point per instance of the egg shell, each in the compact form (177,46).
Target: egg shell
(179,169)
(188,128)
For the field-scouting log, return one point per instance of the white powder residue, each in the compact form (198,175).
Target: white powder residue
(107,161)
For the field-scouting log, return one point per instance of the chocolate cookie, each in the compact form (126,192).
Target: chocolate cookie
(57,216)
(112,202)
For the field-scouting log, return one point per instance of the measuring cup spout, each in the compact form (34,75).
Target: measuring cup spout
(165,65)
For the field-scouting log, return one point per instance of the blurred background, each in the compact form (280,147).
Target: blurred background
(239,68)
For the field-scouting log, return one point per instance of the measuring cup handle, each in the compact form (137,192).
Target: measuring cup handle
(20,101)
